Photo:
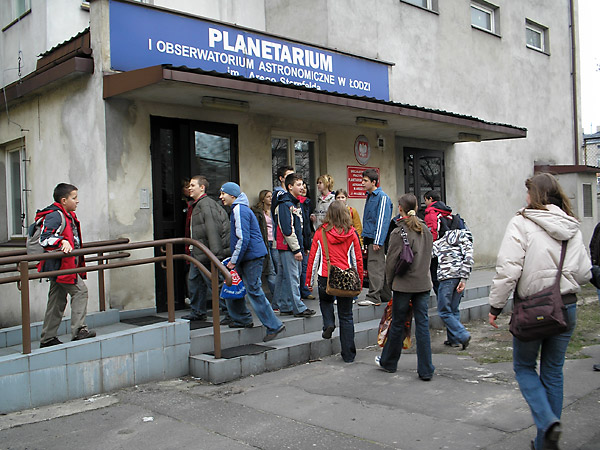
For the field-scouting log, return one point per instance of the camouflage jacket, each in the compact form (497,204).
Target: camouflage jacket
(455,255)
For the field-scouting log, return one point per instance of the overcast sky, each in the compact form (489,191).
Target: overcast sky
(589,46)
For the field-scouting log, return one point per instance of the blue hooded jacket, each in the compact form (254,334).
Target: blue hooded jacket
(246,239)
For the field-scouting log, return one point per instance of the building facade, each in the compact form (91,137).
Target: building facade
(126,99)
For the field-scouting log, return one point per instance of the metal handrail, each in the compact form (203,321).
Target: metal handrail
(166,245)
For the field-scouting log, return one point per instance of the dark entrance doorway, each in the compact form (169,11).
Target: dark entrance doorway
(179,150)
(424,171)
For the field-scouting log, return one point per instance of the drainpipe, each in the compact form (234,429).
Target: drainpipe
(574,81)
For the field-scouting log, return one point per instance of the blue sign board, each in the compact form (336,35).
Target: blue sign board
(143,37)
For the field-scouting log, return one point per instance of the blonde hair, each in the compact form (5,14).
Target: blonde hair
(327,181)
(338,217)
(408,202)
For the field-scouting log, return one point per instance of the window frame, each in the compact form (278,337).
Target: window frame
(14,15)
(291,138)
(493,12)
(544,36)
(9,151)
(430,5)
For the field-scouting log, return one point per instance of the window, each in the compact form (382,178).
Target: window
(536,36)
(14,198)
(484,16)
(431,5)
(13,10)
(298,152)
(587,200)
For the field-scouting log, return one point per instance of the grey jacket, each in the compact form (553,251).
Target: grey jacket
(210,225)
(418,277)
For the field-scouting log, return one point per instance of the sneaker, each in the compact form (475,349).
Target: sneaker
(241,325)
(50,343)
(552,436)
(309,297)
(84,333)
(328,332)
(270,337)
(194,316)
(378,362)
(225,320)
(466,343)
(275,309)
(451,344)
(596,367)
(306,313)
(425,378)
(366,303)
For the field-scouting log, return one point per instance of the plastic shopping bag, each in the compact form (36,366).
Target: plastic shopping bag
(237,288)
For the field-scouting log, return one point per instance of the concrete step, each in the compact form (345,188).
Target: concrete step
(286,351)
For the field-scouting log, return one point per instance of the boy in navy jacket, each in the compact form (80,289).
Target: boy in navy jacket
(247,253)
(289,242)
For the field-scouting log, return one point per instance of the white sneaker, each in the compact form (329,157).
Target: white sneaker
(366,303)
(378,362)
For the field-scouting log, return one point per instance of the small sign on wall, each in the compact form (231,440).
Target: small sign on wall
(362,149)
(354,177)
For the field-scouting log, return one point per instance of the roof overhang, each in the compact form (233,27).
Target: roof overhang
(60,64)
(565,168)
(183,86)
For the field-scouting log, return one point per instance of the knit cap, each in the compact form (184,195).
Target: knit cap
(231,188)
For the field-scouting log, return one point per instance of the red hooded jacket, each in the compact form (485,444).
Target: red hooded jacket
(344,252)
(51,241)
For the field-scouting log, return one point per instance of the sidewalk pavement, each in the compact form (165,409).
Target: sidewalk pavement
(325,404)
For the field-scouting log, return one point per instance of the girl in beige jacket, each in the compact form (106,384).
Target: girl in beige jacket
(528,261)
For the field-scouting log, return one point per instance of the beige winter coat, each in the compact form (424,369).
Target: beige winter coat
(530,255)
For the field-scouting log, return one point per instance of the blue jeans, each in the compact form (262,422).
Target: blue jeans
(200,290)
(199,286)
(289,277)
(544,392)
(393,346)
(448,301)
(270,271)
(344,308)
(304,292)
(250,273)
(275,301)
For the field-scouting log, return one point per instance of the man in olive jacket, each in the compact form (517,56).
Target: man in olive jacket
(209,224)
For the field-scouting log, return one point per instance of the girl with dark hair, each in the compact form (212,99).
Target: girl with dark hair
(413,286)
(528,262)
(344,251)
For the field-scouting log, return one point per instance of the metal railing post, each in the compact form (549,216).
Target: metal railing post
(101,291)
(170,283)
(25,316)
(214,275)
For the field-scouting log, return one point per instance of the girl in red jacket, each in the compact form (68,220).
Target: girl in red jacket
(344,251)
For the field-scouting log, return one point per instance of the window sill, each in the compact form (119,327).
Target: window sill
(421,7)
(485,30)
(16,20)
(535,49)
(14,243)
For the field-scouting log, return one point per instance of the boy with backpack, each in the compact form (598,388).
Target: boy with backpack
(61,231)
(454,252)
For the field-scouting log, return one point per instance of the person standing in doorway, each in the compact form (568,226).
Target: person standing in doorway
(376,221)
(209,224)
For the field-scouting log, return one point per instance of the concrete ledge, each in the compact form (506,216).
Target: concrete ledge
(92,366)
(14,336)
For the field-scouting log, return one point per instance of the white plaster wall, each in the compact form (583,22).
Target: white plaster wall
(49,24)
(245,13)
